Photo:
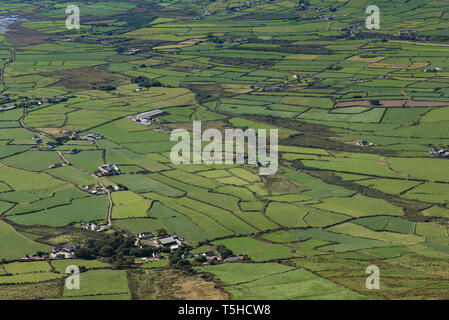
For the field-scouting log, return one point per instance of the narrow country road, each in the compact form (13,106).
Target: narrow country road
(100,183)
(206,12)
(2,71)
(22,125)
(108,192)
(218,104)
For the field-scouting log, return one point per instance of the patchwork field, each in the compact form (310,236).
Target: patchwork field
(362,117)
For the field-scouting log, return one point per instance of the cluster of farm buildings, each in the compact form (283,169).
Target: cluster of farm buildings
(442,153)
(143,239)
(147,118)
(171,241)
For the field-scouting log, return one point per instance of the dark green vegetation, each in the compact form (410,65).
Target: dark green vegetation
(317,75)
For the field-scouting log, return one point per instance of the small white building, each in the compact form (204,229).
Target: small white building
(108,169)
(92,227)
(145,235)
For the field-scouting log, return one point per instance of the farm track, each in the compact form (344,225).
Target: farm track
(100,183)
(314,133)
(22,125)
(206,12)
(218,104)
(2,72)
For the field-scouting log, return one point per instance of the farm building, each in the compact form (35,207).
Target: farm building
(108,170)
(146,118)
(93,136)
(55,165)
(187,255)
(145,235)
(94,227)
(7,107)
(63,252)
(210,255)
(172,242)
(364,143)
(94,189)
(232,259)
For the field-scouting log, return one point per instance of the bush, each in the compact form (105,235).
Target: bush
(106,251)
(85,253)
(107,88)
(224,252)
(201,259)
(145,82)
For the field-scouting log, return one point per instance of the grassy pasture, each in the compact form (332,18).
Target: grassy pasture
(359,205)
(86,209)
(129,205)
(98,282)
(286,214)
(141,184)
(27,267)
(262,283)
(256,250)
(332,208)
(61,265)
(13,245)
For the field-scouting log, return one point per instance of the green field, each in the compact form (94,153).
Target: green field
(362,118)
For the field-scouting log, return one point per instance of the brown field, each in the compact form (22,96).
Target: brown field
(172,284)
(32,291)
(85,78)
(18,36)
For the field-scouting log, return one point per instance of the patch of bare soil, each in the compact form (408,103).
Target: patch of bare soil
(169,284)
(199,289)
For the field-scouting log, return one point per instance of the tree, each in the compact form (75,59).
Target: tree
(161,232)
(39,253)
(84,253)
(224,251)
(106,251)
(146,82)
(121,186)
(201,259)
(107,88)
(181,264)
